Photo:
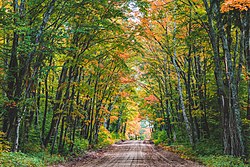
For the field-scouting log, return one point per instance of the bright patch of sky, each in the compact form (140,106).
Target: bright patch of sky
(135,14)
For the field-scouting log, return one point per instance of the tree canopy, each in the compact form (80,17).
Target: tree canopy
(93,72)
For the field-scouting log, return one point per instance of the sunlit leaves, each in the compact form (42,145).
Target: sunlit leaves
(241,5)
(151,99)
(124,94)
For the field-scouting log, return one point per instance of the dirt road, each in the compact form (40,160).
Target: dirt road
(133,154)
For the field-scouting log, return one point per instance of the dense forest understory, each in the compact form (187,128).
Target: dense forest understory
(83,74)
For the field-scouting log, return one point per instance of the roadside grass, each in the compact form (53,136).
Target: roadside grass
(208,152)
(13,159)
(222,161)
(211,156)
(33,156)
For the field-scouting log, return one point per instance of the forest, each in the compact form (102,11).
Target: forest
(83,74)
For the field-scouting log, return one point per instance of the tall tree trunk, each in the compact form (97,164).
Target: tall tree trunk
(236,139)
(179,87)
(193,126)
(227,93)
(204,100)
(46,89)
(246,39)
(182,105)
(94,108)
(61,138)
(188,128)
(38,103)
(56,114)
(13,82)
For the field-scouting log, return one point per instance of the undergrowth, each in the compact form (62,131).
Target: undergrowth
(211,160)
(33,155)
(13,159)
(222,161)
(107,138)
(207,152)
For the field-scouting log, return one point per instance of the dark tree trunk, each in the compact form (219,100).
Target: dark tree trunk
(46,101)
(60,144)
(246,37)
(56,114)
(227,89)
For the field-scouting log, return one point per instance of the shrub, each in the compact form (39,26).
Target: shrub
(81,145)
(222,161)
(4,145)
(48,159)
(184,152)
(9,159)
(105,137)
(31,148)
(208,147)
(160,137)
(36,159)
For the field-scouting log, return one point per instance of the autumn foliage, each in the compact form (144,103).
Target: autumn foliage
(172,64)
(126,80)
(152,99)
(241,5)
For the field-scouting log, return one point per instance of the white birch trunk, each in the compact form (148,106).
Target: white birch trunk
(187,123)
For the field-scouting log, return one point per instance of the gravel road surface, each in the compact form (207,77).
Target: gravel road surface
(132,154)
